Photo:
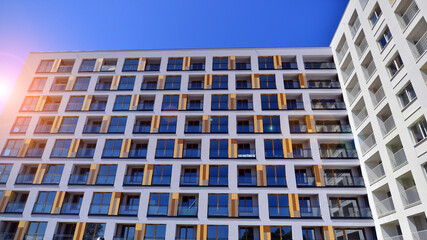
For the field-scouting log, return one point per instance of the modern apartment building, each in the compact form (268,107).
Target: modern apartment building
(380,49)
(183,144)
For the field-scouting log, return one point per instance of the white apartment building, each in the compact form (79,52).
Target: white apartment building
(206,144)
(380,48)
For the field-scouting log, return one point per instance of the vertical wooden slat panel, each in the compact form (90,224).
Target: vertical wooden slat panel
(115,82)
(70,83)
(57,203)
(141,64)
(173,204)
(208,81)
(232,102)
(55,65)
(161,82)
(232,62)
(302,77)
(311,126)
(182,104)
(258,124)
(204,175)
(318,174)
(93,172)
(206,124)
(261,175)
(104,124)
(114,203)
(287,148)
(40,103)
(148,174)
(124,151)
(328,233)
(56,124)
(41,169)
(155,124)
(178,148)
(98,65)
(22,229)
(24,148)
(79,231)
(139,231)
(281,98)
(87,102)
(72,152)
(233,205)
(232,148)
(255,81)
(134,102)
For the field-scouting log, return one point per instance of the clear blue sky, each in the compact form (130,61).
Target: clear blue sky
(31,26)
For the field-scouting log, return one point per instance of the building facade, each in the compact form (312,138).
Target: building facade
(181,144)
(380,51)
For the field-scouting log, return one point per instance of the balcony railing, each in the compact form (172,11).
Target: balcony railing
(298,105)
(43,129)
(58,87)
(77,179)
(149,86)
(51,178)
(245,128)
(409,14)
(338,105)
(323,84)
(243,66)
(105,179)
(85,152)
(195,106)
(128,210)
(217,210)
(360,117)
(420,235)
(195,86)
(306,182)
(132,180)
(353,93)
(309,212)
(341,53)
(346,73)
(92,128)
(350,212)
(243,85)
(361,48)
(355,27)
(245,106)
(25,179)
(378,96)
(338,153)
(248,211)
(14,207)
(70,208)
(292,85)
(301,128)
(34,152)
(398,159)
(197,67)
(51,107)
(279,212)
(247,181)
(319,65)
(99,209)
(366,143)
(369,70)
(160,210)
(247,153)
(192,180)
(289,65)
(31,236)
(137,153)
(385,206)
(141,129)
(387,125)
(421,45)
(191,153)
(410,196)
(42,208)
(108,68)
(97,107)
(103,86)
(65,68)
(7,236)
(187,211)
(192,128)
(376,173)
(333,128)
(301,153)
(63,237)
(152,67)
(145,107)
(346,181)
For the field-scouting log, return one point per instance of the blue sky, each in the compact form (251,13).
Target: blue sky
(31,26)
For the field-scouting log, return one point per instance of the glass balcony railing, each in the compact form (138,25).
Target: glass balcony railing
(292,85)
(245,128)
(323,84)
(218,181)
(369,70)
(128,210)
(132,180)
(85,152)
(35,152)
(105,179)
(243,66)
(378,96)
(217,210)
(7,236)
(302,128)
(385,206)
(197,67)
(247,181)
(191,153)
(319,65)
(279,212)
(65,68)
(195,106)
(306,181)
(70,208)
(14,207)
(58,87)
(409,14)
(419,235)
(246,153)
(51,178)
(301,153)
(192,180)
(92,128)
(108,68)
(387,125)
(97,107)
(344,181)
(376,173)
(355,27)
(195,86)
(398,159)
(187,211)
(248,211)
(51,107)
(360,116)
(347,71)
(43,129)
(25,179)
(76,179)
(141,129)
(309,212)
(367,142)
(410,196)
(103,86)
(63,237)
(298,105)
(137,153)
(341,53)
(145,107)
(338,105)
(350,212)
(31,237)
(289,65)
(99,209)
(421,45)
(42,208)
(149,86)
(333,128)
(160,210)
(152,67)
(338,153)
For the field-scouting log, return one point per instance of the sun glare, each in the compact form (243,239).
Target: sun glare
(5,90)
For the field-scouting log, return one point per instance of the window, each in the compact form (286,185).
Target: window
(21,125)
(246,233)
(12,147)
(218,205)
(44,202)
(271,124)
(186,232)
(267,81)
(220,63)
(117,125)
(165,148)
(407,95)
(106,174)
(45,66)
(87,65)
(291,84)
(112,148)
(155,231)
(419,130)
(265,63)
(245,177)
(126,83)
(53,174)
(349,234)
(344,207)
(158,204)
(142,127)
(244,104)
(81,84)
(122,103)
(146,105)
(219,148)
(395,65)
(4,172)
(170,102)
(190,177)
(375,15)
(278,205)
(37,84)
(244,127)
(246,207)
(219,102)
(75,103)
(269,102)
(61,148)
(162,175)
(281,232)
(173,83)
(385,38)
(308,234)
(217,232)
(131,64)
(219,124)
(100,203)
(29,104)
(94,231)
(167,125)
(276,176)
(220,82)
(68,125)
(175,64)
(301,176)
(273,148)
(36,230)
(218,175)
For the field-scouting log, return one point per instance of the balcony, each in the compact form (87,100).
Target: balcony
(158,210)
(35,152)
(360,117)
(145,106)
(333,128)
(25,179)
(149,86)
(301,153)
(132,180)
(137,153)
(14,208)
(31,236)
(85,152)
(42,208)
(97,107)
(410,196)
(243,66)
(319,65)
(187,211)
(65,69)
(152,67)
(324,84)
(245,128)
(43,129)
(350,212)
(292,84)
(369,70)
(141,129)
(289,65)
(353,93)
(192,153)
(50,107)
(187,181)
(398,159)
(58,87)
(301,128)
(248,211)
(310,212)
(197,67)
(279,212)
(376,173)
(99,209)
(338,105)
(367,143)
(244,106)
(420,235)
(344,181)
(246,153)
(63,237)
(385,207)
(108,68)
(103,86)
(89,128)
(306,182)
(421,45)
(128,210)
(198,106)
(409,14)
(361,47)
(192,128)
(77,179)
(195,85)
(297,105)
(247,181)
(338,153)
(218,181)
(378,96)
(355,27)
(387,125)
(346,73)
(70,208)
(8,236)
(105,180)
(217,211)
(341,53)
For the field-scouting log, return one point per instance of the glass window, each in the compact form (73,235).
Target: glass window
(173,83)
(12,147)
(45,66)
(276,176)
(126,83)
(349,234)
(44,202)
(170,102)
(219,102)
(81,84)
(68,125)
(131,64)
(218,205)
(246,233)
(407,95)
(217,232)
(87,65)
(219,124)
(220,82)
(375,15)
(61,148)
(219,148)
(165,148)
(167,124)
(122,103)
(220,63)
(301,176)
(269,102)
(162,175)
(53,174)
(100,203)
(419,130)
(395,65)
(21,125)
(37,84)
(75,103)
(278,205)
(146,105)
(4,172)
(281,232)
(308,234)
(112,148)
(29,104)
(155,231)
(267,81)
(385,38)
(265,63)
(271,124)
(36,230)
(117,125)
(273,148)
(175,64)
(93,231)
(218,175)
(158,204)
(106,174)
